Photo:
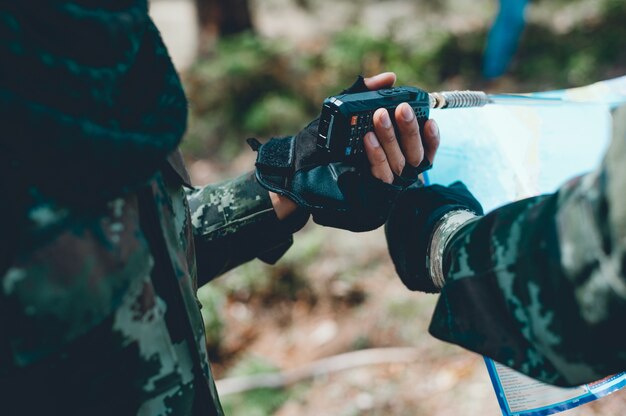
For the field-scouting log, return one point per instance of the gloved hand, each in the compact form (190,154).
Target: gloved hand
(411,225)
(338,194)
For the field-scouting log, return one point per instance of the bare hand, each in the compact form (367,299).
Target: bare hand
(389,154)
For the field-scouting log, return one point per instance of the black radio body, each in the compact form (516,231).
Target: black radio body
(346,118)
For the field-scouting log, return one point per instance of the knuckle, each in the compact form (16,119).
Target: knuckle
(415,159)
(412,130)
(408,126)
(389,136)
(399,165)
(379,157)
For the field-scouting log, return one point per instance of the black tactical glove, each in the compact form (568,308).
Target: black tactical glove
(337,194)
(411,225)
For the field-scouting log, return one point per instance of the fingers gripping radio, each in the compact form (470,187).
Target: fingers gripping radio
(323,168)
(346,118)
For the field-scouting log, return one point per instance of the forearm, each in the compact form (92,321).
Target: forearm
(525,285)
(235,222)
(539,285)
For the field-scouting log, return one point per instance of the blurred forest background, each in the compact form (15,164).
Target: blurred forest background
(256,68)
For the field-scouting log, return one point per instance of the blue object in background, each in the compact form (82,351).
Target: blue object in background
(504,37)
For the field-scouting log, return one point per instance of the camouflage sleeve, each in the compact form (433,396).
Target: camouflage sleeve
(107,115)
(539,284)
(234,222)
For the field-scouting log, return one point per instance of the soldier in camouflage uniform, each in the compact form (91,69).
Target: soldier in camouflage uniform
(104,240)
(538,285)
(98,312)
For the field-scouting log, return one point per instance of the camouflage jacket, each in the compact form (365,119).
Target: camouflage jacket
(540,284)
(103,241)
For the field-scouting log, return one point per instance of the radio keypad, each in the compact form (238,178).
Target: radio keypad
(360,124)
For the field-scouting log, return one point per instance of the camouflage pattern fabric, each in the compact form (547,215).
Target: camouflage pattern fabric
(87,91)
(81,309)
(235,222)
(540,285)
(100,258)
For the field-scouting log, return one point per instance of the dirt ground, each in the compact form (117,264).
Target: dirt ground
(445,381)
(351,297)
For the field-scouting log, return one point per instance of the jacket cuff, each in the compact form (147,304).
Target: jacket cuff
(241,210)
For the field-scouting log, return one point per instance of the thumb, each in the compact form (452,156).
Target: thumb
(383,80)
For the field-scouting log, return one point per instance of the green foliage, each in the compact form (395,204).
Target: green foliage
(306,248)
(281,281)
(356,51)
(589,52)
(213,299)
(412,310)
(459,57)
(275,114)
(260,402)
(251,86)
(257,87)
(227,90)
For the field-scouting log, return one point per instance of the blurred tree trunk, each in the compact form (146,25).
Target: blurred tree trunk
(218,18)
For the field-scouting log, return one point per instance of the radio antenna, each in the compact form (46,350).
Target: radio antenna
(466,99)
